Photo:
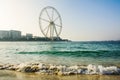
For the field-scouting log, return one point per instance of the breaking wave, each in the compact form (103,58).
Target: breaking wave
(42,68)
(99,53)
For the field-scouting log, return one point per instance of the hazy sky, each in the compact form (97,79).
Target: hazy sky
(82,19)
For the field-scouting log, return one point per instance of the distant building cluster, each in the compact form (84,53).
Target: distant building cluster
(13,35)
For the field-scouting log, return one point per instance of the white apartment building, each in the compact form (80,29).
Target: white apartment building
(12,34)
(28,36)
(4,34)
(15,34)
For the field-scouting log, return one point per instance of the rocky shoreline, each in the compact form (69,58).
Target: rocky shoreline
(51,69)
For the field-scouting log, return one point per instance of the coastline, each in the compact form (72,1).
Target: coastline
(12,75)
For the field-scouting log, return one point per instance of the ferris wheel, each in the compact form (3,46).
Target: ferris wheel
(50,22)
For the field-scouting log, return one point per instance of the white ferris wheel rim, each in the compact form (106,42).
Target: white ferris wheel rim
(50,21)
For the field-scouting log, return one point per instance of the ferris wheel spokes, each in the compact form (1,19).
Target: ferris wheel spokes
(44,19)
(48,14)
(52,14)
(58,25)
(56,18)
(46,27)
(56,31)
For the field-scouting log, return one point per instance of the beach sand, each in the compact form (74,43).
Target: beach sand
(14,75)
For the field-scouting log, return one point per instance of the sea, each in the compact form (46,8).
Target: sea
(66,53)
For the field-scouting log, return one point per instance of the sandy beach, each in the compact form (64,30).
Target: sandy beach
(13,75)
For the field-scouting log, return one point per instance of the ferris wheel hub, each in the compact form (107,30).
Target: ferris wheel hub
(52,23)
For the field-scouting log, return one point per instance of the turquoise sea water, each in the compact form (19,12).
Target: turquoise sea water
(68,53)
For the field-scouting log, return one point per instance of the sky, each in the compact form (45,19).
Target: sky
(83,20)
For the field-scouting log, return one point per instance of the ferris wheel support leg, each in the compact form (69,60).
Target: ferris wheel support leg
(47,30)
(56,32)
(51,32)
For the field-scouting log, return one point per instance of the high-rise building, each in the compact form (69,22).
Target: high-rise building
(15,34)
(4,34)
(10,35)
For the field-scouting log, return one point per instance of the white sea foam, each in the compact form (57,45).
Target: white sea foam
(62,69)
(108,70)
(93,69)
